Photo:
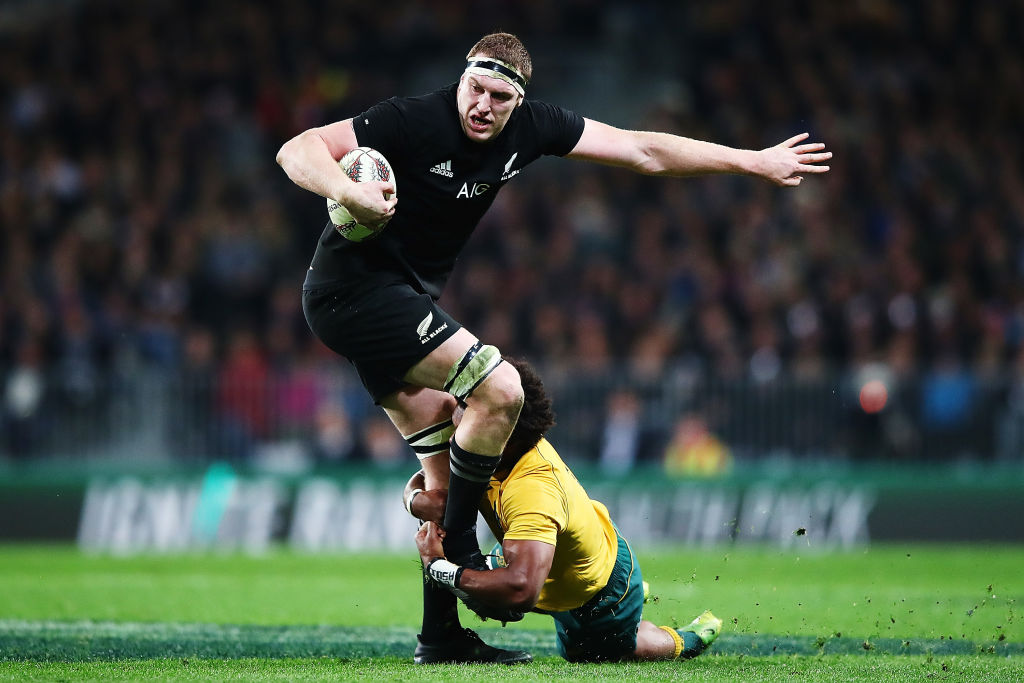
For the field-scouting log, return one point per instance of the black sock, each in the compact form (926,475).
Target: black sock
(440,613)
(469,479)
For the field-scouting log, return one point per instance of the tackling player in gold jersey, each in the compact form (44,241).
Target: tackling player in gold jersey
(559,552)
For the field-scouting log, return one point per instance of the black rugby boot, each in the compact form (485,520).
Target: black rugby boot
(466,647)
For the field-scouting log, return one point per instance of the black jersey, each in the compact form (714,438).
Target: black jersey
(446,182)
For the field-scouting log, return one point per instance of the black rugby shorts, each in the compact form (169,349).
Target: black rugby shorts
(382,330)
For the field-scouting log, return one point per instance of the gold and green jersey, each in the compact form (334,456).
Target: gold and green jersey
(540,500)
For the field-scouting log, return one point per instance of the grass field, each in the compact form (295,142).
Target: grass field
(885,613)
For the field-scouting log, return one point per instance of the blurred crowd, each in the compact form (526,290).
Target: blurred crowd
(146,228)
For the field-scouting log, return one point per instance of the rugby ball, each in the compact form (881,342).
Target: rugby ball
(496,558)
(362,164)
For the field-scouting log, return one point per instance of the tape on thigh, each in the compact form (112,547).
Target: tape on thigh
(468,373)
(431,441)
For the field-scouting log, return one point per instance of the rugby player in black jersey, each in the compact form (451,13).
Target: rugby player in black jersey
(375,302)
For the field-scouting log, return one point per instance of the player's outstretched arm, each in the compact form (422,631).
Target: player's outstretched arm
(653,153)
(310,159)
(516,586)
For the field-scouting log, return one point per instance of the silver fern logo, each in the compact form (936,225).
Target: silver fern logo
(424,331)
(424,327)
(508,172)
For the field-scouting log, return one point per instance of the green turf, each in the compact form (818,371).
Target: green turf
(720,668)
(887,613)
(92,640)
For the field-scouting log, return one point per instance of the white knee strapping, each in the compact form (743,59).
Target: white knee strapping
(474,367)
(431,441)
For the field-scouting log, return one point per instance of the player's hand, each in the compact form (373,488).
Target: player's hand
(787,162)
(429,506)
(429,542)
(371,203)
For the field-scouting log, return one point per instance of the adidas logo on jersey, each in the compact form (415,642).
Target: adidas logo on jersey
(444,168)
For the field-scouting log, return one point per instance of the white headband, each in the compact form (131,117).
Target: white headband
(495,68)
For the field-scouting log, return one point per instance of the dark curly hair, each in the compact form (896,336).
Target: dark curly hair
(536,417)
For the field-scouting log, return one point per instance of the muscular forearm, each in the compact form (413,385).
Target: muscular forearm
(517,585)
(674,155)
(500,587)
(308,162)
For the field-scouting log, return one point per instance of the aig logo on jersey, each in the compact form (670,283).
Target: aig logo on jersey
(469,191)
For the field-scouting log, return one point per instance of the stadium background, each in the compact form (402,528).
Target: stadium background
(159,388)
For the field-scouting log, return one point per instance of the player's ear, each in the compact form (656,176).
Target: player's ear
(522,99)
